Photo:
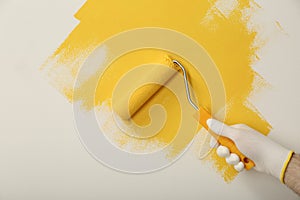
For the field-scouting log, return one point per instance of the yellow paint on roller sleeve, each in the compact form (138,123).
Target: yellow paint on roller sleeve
(226,37)
(164,97)
(127,104)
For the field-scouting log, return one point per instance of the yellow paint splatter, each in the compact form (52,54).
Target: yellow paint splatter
(280,28)
(224,33)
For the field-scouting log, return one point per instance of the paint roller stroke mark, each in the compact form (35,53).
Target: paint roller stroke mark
(222,31)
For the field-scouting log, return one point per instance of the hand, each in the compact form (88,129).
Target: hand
(268,156)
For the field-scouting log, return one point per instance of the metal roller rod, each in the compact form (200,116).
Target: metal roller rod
(186,82)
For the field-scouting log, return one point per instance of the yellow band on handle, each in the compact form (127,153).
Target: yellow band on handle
(225,141)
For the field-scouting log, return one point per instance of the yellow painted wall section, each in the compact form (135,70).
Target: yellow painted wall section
(223,32)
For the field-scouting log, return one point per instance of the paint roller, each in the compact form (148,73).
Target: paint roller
(155,78)
(127,108)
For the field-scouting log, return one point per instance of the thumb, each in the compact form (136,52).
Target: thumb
(220,128)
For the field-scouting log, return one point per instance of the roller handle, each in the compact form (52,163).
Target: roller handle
(224,141)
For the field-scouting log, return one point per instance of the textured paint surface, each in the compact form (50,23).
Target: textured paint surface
(223,29)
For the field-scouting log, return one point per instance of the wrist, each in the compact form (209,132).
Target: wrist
(292,175)
(276,160)
(285,165)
